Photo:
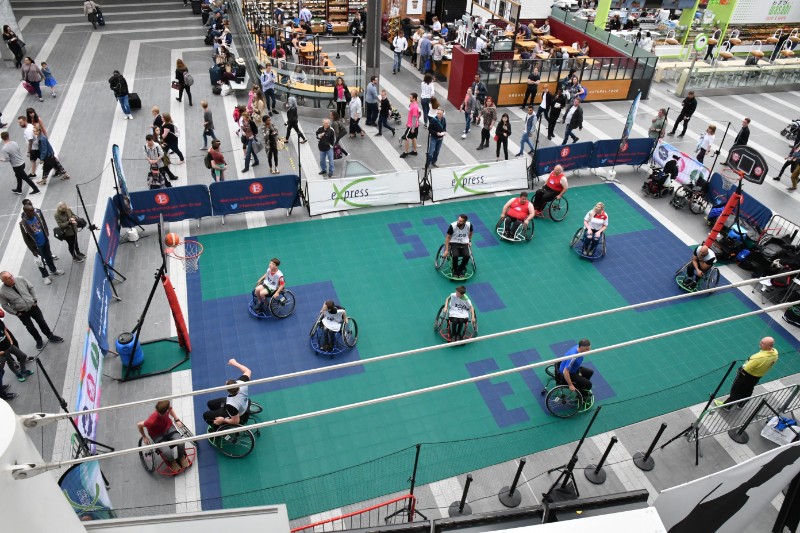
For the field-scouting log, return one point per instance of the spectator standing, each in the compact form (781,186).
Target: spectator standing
(119,85)
(479,89)
(18,297)
(33,75)
(371,101)
(415,39)
(427,91)
(527,132)
(488,120)
(10,354)
(217,161)
(170,134)
(437,131)
(792,161)
(49,81)
(48,156)
(37,238)
(208,124)
(750,373)
(425,51)
(33,144)
(354,29)
(154,154)
(689,106)
(658,125)
(545,104)
(532,87)
(67,221)
(558,103)
(339,129)
(164,158)
(399,45)
(292,122)
(14,44)
(354,108)
(385,109)
(13,155)
(268,79)
(501,134)
(341,95)
(574,119)
(271,138)
(249,136)
(705,142)
(470,107)
(744,134)
(412,127)
(437,55)
(185,80)
(327,139)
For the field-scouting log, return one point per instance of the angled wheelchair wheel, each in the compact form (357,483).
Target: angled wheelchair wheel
(558,209)
(577,237)
(316,326)
(255,408)
(282,306)
(698,204)
(148,458)
(563,402)
(681,197)
(350,333)
(711,278)
(440,260)
(603,244)
(528,233)
(256,308)
(441,317)
(235,445)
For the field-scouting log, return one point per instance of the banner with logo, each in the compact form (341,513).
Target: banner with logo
(89,388)
(125,197)
(259,194)
(729,500)
(175,203)
(481,178)
(98,303)
(689,169)
(328,196)
(611,152)
(766,12)
(751,210)
(626,131)
(569,156)
(85,490)
(108,240)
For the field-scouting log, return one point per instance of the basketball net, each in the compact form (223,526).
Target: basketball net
(188,252)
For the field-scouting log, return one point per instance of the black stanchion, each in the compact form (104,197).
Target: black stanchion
(410,509)
(568,489)
(461,508)
(643,460)
(740,435)
(510,496)
(595,473)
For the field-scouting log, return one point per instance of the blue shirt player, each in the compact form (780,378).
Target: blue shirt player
(571,371)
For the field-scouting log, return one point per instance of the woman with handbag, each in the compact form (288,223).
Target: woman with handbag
(69,224)
(32,75)
(184,80)
(249,137)
(14,44)
(339,130)
(292,122)
(170,136)
(341,95)
(501,134)
(90,11)
(271,135)
(164,158)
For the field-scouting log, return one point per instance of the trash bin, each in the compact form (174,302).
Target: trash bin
(196,9)
(124,346)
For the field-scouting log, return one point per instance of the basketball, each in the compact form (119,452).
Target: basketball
(172,240)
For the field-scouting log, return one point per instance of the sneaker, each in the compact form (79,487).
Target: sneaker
(463,135)
(204,149)
(16,191)
(58,272)
(129,117)
(379,134)
(402,156)
(47,280)
(671,133)
(414,153)
(10,396)
(479,147)
(41,99)
(776,178)
(719,403)
(37,191)
(173,465)
(78,259)
(30,360)
(434,165)
(244,170)
(20,377)
(518,155)
(575,140)
(55,338)
(791,188)
(323,172)
(28,372)
(39,344)
(463,131)
(184,462)
(680,136)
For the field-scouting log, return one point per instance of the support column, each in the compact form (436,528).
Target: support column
(7,16)
(372,41)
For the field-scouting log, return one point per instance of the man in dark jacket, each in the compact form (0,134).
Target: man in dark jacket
(437,129)
(688,109)
(18,297)
(327,139)
(574,119)
(479,89)
(119,85)
(744,134)
(37,239)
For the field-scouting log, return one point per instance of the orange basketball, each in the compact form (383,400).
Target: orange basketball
(172,240)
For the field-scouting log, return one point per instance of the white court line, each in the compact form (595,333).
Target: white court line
(24,21)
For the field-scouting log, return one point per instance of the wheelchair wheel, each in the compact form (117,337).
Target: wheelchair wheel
(529,231)
(440,261)
(558,209)
(603,244)
(255,408)
(350,333)
(563,402)
(681,197)
(283,305)
(575,238)
(712,278)
(441,317)
(682,269)
(698,204)
(316,326)
(148,458)
(235,445)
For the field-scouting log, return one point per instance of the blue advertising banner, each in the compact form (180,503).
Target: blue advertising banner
(175,203)
(125,203)
(108,241)
(257,194)
(631,152)
(751,210)
(98,303)
(569,156)
(84,488)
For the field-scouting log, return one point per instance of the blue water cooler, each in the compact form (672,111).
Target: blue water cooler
(125,350)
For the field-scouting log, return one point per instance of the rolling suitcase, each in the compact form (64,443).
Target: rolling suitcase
(134,101)
(101,21)
(196,9)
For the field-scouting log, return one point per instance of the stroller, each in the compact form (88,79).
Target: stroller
(395,115)
(791,131)
(657,185)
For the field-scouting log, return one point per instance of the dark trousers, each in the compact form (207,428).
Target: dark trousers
(530,90)
(206,135)
(582,378)
(52,163)
(690,272)
(791,163)
(173,146)
(372,113)
(542,196)
(568,133)
(216,407)
(328,339)
(16,363)
(552,120)
(485,136)
(701,155)
(355,127)
(383,122)
(269,98)
(21,175)
(685,120)
(27,318)
(341,108)
(272,155)
(188,90)
(293,126)
(460,256)
(742,387)
(510,225)
(502,141)
(47,258)
(457,328)
(72,244)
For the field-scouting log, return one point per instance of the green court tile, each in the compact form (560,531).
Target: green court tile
(163,355)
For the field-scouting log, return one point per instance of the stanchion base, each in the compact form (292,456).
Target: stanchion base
(559,494)
(598,478)
(741,438)
(453,511)
(643,464)
(509,500)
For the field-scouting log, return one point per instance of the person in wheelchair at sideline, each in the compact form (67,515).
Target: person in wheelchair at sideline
(516,211)
(459,311)
(456,244)
(571,373)
(670,171)
(594,224)
(232,409)
(333,318)
(160,428)
(271,283)
(703,258)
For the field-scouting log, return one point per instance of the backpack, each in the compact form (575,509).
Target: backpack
(584,94)
(188,80)
(237,113)
(207,160)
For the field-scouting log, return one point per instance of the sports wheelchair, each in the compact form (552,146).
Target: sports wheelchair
(693,194)
(154,460)
(442,326)
(445,265)
(343,339)
(577,245)
(522,234)
(559,400)
(240,444)
(709,280)
(653,187)
(556,209)
(279,307)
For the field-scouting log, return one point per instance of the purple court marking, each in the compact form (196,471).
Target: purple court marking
(486,238)
(530,377)
(484,297)
(493,394)
(417,247)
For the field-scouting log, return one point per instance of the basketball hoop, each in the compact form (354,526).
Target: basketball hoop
(188,252)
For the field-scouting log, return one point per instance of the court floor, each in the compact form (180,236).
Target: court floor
(380,267)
